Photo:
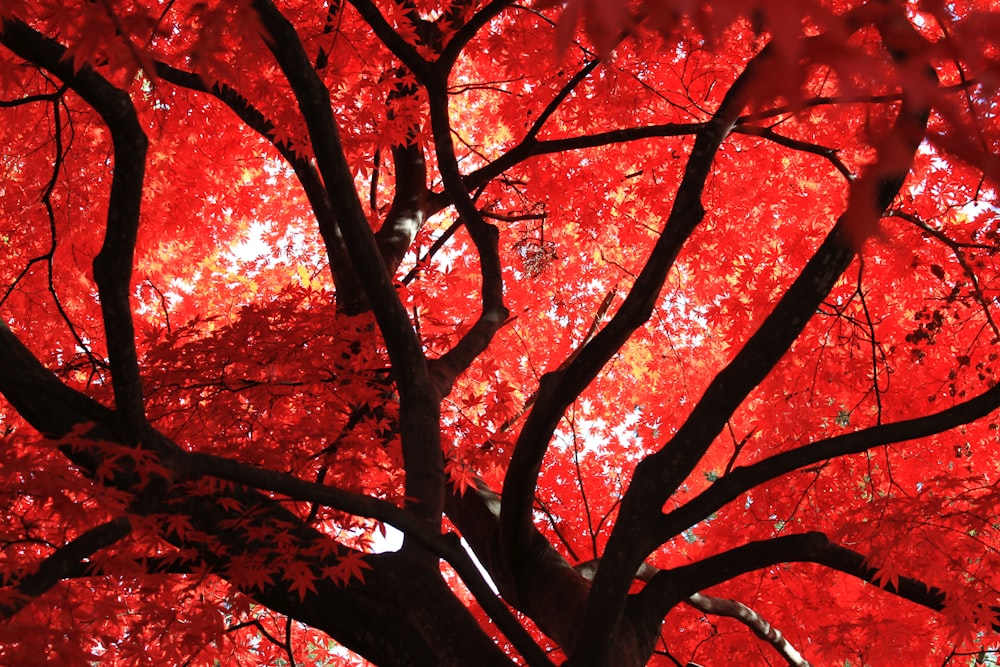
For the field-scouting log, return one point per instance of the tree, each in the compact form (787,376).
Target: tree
(684,322)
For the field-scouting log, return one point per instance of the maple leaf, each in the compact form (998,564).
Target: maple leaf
(179,525)
(301,578)
(250,573)
(462,477)
(349,567)
(887,573)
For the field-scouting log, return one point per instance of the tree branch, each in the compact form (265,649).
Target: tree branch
(719,607)
(423,70)
(668,587)
(51,407)
(113,264)
(533,148)
(957,249)
(57,410)
(340,263)
(742,479)
(557,390)
(485,237)
(659,475)
(541,585)
(444,546)
(529,148)
(62,562)
(408,210)
(419,399)
(458,41)
(314,102)
(753,620)
(868,197)
(825,152)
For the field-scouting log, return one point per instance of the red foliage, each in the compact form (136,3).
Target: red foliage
(703,292)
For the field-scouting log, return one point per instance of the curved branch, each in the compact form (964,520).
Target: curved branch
(408,210)
(305,171)
(485,237)
(868,197)
(453,49)
(31,99)
(199,464)
(446,547)
(742,479)
(528,149)
(314,102)
(259,628)
(57,410)
(113,264)
(825,152)
(423,70)
(557,390)
(533,148)
(541,585)
(62,563)
(758,624)
(659,475)
(419,398)
(59,155)
(668,467)
(668,587)
(51,407)
(529,146)
(717,606)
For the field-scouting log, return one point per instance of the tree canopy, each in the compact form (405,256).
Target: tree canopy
(682,318)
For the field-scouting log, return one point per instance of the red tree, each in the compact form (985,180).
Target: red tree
(686,323)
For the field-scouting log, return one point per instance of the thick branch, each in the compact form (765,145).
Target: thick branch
(657,476)
(719,607)
(868,197)
(753,620)
(559,389)
(742,479)
(113,264)
(484,236)
(56,410)
(63,562)
(422,69)
(530,146)
(466,32)
(408,211)
(305,171)
(669,587)
(314,102)
(360,505)
(552,594)
(419,402)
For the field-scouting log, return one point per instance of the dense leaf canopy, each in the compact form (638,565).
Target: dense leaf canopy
(682,317)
